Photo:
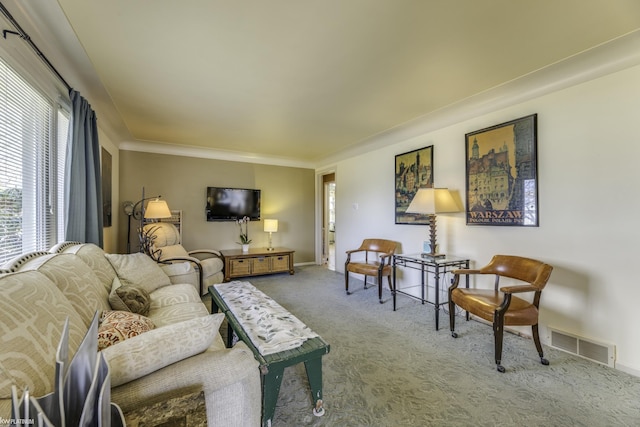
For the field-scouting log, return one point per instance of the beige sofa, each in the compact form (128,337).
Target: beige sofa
(183,354)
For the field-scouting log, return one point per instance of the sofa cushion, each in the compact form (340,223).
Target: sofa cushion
(94,257)
(117,326)
(129,298)
(146,353)
(138,270)
(77,281)
(32,314)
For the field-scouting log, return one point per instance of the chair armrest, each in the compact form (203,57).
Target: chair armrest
(518,289)
(354,251)
(206,251)
(466,271)
(170,260)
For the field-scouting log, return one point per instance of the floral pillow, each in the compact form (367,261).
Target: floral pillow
(117,326)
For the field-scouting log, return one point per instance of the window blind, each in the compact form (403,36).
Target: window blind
(29,167)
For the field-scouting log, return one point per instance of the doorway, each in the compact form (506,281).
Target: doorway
(329,221)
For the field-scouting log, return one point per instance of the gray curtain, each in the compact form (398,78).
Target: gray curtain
(83,183)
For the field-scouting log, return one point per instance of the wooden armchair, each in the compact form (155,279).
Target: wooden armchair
(499,306)
(377,262)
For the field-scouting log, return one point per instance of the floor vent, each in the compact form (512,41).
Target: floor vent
(589,349)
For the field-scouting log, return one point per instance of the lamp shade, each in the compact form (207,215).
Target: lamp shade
(271,225)
(432,201)
(157,209)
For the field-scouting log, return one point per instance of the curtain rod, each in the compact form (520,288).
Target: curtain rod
(23,35)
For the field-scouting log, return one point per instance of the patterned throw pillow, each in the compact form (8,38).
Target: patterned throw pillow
(129,298)
(117,326)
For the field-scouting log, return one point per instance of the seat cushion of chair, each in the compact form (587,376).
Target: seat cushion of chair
(368,268)
(172,251)
(483,303)
(211,266)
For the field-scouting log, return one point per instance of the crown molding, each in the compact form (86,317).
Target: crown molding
(210,153)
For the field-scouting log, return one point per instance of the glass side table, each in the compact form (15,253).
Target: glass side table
(434,266)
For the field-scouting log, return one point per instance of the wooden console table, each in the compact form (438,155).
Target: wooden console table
(256,262)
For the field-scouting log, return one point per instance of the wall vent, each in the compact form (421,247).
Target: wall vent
(583,347)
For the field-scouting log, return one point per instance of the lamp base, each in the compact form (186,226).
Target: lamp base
(270,248)
(432,255)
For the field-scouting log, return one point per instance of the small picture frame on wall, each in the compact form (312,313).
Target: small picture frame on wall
(414,170)
(501,174)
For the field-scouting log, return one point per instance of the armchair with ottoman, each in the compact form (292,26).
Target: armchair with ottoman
(172,350)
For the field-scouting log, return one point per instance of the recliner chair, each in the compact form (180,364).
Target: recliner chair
(162,241)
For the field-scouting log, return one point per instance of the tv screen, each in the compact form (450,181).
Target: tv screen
(229,204)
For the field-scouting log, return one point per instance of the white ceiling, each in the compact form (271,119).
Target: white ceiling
(306,79)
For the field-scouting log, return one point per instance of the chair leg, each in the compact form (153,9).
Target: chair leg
(380,287)
(498,330)
(346,282)
(452,318)
(365,281)
(536,340)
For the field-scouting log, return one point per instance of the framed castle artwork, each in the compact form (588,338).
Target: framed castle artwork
(414,170)
(501,174)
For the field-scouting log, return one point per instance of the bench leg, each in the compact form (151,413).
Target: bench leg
(271,382)
(314,375)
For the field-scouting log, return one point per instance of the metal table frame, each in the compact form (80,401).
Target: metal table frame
(435,266)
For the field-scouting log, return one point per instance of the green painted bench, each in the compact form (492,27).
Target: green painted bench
(272,365)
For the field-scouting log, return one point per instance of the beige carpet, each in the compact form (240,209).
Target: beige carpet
(393,369)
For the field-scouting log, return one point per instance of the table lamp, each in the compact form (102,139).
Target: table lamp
(431,201)
(270,226)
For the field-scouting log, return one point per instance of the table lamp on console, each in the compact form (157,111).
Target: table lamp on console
(432,201)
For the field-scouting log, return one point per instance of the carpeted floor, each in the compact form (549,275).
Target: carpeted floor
(393,369)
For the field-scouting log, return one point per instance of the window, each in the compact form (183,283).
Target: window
(33,139)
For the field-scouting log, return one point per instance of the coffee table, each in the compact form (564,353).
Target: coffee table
(272,365)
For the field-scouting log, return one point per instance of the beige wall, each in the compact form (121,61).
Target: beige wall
(588,172)
(287,195)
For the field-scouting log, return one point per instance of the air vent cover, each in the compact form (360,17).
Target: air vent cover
(583,347)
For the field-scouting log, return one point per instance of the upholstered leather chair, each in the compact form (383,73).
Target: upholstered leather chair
(499,306)
(377,262)
(162,241)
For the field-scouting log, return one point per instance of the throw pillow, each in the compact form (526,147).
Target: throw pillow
(149,352)
(129,298)
(138,270)
(118,326)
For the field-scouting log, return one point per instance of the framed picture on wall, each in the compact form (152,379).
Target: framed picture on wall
(414,170)
(501,174)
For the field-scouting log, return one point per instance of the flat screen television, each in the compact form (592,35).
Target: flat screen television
(229,204)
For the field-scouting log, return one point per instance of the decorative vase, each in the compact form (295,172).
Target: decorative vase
(245,247)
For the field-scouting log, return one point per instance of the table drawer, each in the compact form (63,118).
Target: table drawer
(280,263)
(261,265)
(240,267)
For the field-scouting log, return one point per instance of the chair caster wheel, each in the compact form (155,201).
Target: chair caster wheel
(544,361)
(318,411)
(500,369)
(348,293)
(454,334)
(381,302)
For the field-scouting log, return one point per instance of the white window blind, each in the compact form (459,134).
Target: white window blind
(31,167)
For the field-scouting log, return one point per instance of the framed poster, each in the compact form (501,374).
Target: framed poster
(501,174)
(413,170)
